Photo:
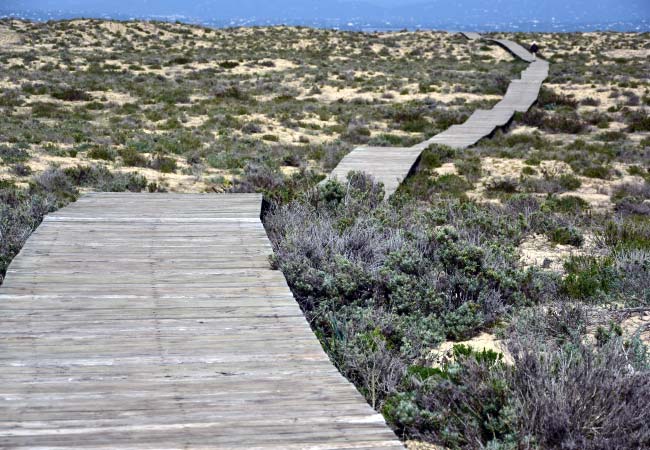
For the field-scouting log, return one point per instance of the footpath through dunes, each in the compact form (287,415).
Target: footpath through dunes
(390,165)
(154,321)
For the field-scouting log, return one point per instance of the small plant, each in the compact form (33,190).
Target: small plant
(565,204)
(71,95)
(589,277)
(228,64)
(163,164)
(13,154)
(102,153)
(595,171)
(131,157)
(566,236)
(503,185)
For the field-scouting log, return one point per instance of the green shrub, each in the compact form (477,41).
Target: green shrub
(569,182)
(450,185)
(163,164)
(11,155)
(103,153)
(566,236)
(502,185)
(627,234)
(47,110)
(180,60)
(602,172)
(228,64)
(565,204)
(638,121)
(589,277)
(469,167)
(100,178)
(632,198)
(131,157)
(71,95)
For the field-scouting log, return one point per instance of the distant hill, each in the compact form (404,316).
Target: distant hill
(478,14)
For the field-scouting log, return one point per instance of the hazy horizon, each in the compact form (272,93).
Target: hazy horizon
(507,15)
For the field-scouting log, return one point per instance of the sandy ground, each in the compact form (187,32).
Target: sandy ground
(538,251)
(416,445)
(330,94)
(484,341)
(638,324)
(629,53)
(8,37)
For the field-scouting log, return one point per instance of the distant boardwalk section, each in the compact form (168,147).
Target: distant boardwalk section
(154,321)
(390,165)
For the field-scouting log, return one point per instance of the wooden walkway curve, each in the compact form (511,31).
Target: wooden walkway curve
(390,165)
(153,321)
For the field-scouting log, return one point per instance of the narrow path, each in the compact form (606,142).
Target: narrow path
(390,165)
(154,321)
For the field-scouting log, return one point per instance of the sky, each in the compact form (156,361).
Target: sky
(564,15)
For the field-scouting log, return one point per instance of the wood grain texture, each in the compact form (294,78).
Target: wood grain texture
(154,321)
(391,165)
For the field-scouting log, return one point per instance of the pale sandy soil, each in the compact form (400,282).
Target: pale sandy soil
(629,53)
(8,37)
(583,91)
(330,94)
(119,98)
(484,341)
(638,324)
(447,169)
(8,84)
(280,65)
(538,251)
(417,445)
(286,135)
(175,182)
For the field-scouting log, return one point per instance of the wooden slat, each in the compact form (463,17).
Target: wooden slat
(390,165)
(153,321)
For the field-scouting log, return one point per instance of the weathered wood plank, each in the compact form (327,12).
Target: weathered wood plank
(153,321)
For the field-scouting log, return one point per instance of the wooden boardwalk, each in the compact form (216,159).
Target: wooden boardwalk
(390,165)
(153,321)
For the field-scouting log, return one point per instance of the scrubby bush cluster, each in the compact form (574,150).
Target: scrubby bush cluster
(383,284)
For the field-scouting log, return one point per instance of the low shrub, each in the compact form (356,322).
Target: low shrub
(566,236)
(569,182)
(131,157)
(504,185)
(638,121)
(589,277)
(102,153)
(596,171)
(70,94)
(13,154)
(566,204)
(563,123)
(563,394)
(276,186)
(632,198)
(163,163)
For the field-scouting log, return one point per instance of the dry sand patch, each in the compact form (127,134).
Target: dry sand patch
(537,250)
(484,341)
